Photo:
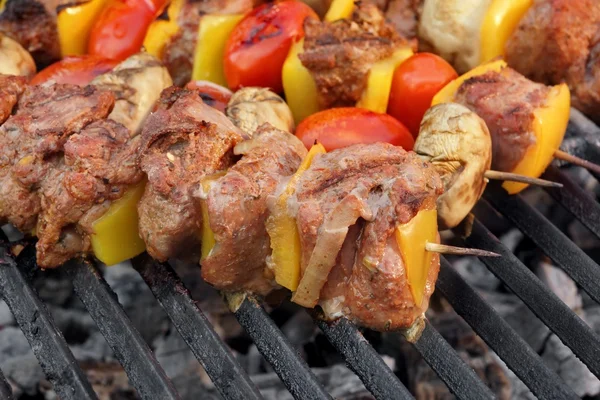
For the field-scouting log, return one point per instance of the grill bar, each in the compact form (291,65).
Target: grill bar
(46,341)
(362,358)
(549,239)
(144,372)
(509,346)
(447,364)
(225,372)
(576,200)
(276,349)
(5,390)
(573,332)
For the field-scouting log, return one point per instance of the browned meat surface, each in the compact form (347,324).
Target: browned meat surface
(506,102)
(179,53)
(100,163)
(403,15)
(381,186)
(31,142)
(237,206)
(32,23)
(182,141)
(559,41)
(339,55)
(11,87)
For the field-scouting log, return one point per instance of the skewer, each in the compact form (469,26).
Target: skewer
(461,251)
(508,176)
(561,155)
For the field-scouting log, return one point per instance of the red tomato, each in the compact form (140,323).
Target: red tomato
(340,127)
(77,70)
(212,94)
(120,30)
(415,83)
(259,44)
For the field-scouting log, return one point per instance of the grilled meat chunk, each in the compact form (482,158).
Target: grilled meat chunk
(378,186)
(403,15)
(237,209)
(179,52)
(32,23)
(11,87)
(183,141)
(31,142)
(506,102)
(559,41)
(339,55)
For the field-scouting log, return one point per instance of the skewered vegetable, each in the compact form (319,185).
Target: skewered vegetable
(75,70)
(74,24)
(15,60)
(212,94)
(251,107)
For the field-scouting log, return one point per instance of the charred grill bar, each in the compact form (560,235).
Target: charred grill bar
(228,376)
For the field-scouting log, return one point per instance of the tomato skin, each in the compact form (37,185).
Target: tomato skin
(259,44)
(76,70)
(121,28)
(212,94)
(415,83)
(341,127)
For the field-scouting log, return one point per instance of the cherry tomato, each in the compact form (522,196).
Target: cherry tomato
(259,44)
(340,127)
(77,70)
(415,83)
(120,30)
(212,94)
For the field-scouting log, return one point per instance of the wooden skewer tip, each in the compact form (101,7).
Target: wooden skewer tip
(561,155)
(508,176)
(461,251)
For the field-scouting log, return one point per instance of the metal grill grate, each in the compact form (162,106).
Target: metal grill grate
(151,382)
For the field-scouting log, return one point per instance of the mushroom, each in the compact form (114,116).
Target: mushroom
(251,107)
(15,59)
(458,144)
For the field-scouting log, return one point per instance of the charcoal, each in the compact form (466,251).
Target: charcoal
(24,373)
(561,284)
(95,348)
(6,317)
(12,343)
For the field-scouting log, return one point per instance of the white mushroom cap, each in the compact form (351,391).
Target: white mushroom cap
(14,59)
(458,144)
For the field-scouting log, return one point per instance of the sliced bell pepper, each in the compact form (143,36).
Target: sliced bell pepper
(161,31)
(376,95)
(213,33)
(298,85)
(207,236)
(283,232)
(339,9)
(412,238)
(74,24)
(2,5)
(116,237)
(499,23)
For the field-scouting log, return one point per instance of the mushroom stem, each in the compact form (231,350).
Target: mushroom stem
(461,251)
(508,176)
(561,155)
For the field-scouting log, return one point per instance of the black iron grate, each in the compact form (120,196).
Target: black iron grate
(151,382)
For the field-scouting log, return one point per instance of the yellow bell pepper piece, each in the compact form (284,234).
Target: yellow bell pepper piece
(2,5)
(446,95)
(339,9)
(549,125)
(212,36)
(74,24)
(116,237)
(412,238)
(376,95)
(499,23)
(207,236)
(283,232)
(298,85)
(161,31)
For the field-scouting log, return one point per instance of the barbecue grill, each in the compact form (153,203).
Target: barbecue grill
(151,382)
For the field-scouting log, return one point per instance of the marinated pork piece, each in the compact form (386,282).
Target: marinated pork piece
(354,198)
(100,162)
(179,52)
(506,101)
(339,55)
(11,87)
(237,209)
(559,41)
(31,142)
(15,59)
(32,23)
(183,141)
(403,15)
